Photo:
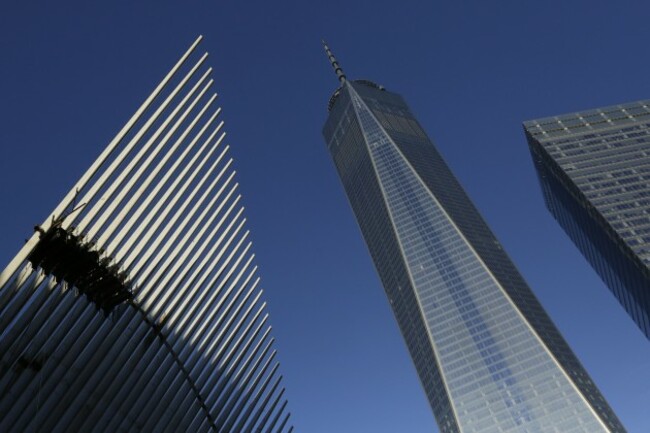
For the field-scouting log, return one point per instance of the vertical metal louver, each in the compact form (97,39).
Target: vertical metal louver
(135,305)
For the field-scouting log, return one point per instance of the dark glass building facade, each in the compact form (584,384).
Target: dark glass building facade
(488,356)
(594,170)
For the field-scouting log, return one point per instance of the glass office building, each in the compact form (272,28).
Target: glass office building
(594,170)
(488,356)
(135,306)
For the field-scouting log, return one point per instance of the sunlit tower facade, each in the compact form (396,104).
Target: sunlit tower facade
(488,356)
(136,304)
(594,170)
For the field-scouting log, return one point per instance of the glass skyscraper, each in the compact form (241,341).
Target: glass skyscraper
(488,356)
(594,169)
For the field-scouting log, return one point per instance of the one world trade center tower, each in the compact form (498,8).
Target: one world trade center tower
(487,354)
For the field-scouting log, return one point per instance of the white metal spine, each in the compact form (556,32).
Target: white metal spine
(192,350)
(15,263)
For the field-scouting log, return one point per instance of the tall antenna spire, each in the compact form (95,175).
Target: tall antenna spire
(335,64)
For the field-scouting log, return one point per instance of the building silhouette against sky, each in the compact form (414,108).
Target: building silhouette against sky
(135,306)
(594,170)
(488,356)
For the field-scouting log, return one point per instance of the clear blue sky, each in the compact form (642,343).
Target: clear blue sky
(472,71)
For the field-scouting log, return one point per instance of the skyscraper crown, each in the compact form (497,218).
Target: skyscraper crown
(342,77)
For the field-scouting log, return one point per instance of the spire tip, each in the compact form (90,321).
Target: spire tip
(335,64)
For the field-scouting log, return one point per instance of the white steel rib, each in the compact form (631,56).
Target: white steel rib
(136,303)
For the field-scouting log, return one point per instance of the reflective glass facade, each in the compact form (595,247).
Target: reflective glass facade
(488,356)
(594,169)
